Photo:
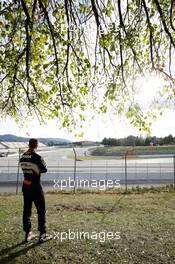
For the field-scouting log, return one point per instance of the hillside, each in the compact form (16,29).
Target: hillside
(13,138)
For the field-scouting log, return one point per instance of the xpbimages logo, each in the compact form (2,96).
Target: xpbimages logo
(80,235)
(100,184)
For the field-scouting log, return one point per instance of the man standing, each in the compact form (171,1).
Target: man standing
(33,165)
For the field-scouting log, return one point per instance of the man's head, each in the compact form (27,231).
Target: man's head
(33,143)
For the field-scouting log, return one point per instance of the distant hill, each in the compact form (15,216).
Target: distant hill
(47,141)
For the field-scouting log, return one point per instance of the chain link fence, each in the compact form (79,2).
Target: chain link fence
(123,172)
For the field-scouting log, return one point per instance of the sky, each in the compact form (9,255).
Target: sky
(100,127)
(97,130)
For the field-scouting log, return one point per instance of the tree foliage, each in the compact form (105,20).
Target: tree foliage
(139,141)
(58,58)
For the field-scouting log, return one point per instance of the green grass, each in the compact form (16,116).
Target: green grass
(138,150)
(130,190)
(92,157)
(81,158)
(146,223)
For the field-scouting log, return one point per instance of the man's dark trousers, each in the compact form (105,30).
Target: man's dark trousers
(34,193)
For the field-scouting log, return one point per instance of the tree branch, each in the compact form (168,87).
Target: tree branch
(150,32)
(159,9)
(28,36)
(51,28)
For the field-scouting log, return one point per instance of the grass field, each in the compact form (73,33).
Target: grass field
(137,150)
(81,158)
(146,223)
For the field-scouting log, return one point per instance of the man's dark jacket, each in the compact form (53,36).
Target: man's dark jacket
(32,166)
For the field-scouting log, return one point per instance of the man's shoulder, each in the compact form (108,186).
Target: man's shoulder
(32,155)
(37,156)
(26,155)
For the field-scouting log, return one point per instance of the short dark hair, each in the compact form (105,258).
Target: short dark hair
(33,142)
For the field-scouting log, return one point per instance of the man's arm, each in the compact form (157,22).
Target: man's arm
(42,166)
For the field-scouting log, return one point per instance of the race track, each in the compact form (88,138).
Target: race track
(60,163)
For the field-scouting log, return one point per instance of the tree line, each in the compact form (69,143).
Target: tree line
(139,141)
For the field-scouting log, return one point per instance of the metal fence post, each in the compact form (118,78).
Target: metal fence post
(75,168)
(17,180)
(90,171)
(106,178)
(58,169)
(126,174)
(174,171)
(8,171)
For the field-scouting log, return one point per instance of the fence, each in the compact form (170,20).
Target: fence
(122,172)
